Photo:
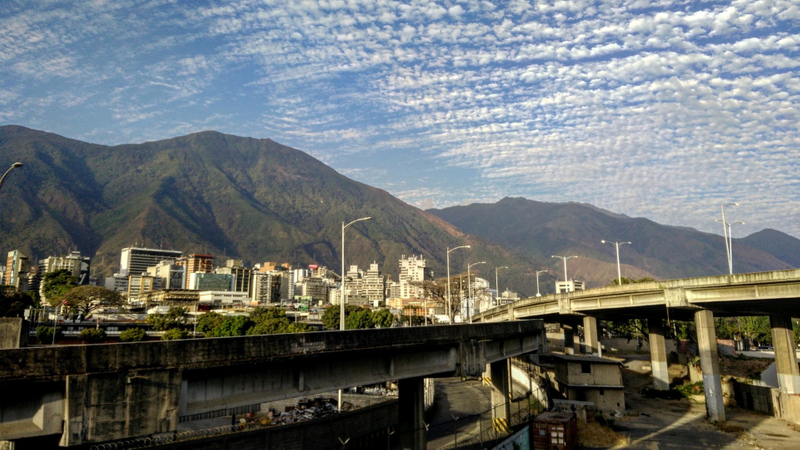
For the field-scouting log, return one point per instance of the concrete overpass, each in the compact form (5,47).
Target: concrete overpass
(774,294)
(97,393)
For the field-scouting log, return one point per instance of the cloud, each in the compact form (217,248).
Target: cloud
(653,109)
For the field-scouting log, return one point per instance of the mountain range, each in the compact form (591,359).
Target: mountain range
(257,200)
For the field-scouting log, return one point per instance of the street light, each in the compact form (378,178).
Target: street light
(449,300)
(619,272)
(343,296)
(565,258)
(343,301)
(729,243)
(469,286)
(13,166)
(537,282)
(496,284)
(725,233)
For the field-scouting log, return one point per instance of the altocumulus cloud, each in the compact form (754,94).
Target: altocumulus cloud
(661,109)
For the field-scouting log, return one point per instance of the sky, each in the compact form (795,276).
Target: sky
(657,109)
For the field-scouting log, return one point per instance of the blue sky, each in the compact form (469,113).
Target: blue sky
(659,109)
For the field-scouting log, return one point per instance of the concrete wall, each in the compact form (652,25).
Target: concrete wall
(605,400)
(754,398)
(13,332)
(600,375)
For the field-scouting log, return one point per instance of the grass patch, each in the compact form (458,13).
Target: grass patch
(688,390)
(593,434)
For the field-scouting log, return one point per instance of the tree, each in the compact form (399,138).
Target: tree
(232,326)
(85,299)
(174,334)
(56,284)
(330,318)
(13,303)
(174,318)
(133,335)
(92,335)
(382,318)
(208,321)
(360,319)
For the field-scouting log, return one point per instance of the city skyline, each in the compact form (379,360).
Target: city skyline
(672,107)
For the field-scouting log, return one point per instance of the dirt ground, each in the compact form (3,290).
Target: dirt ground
(653,423)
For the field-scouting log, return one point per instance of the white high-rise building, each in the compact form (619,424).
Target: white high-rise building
(413,271)
(135,260)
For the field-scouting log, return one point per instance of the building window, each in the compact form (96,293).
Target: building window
(586,367)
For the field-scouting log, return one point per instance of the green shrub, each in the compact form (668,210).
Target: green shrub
(174,334)
(92,335)
(44,334)
(133,335)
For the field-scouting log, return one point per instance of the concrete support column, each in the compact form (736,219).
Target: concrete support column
(411,433)
(569,339)
(590,336)
(707,347)
(785,353)
(501,404)
(658,354)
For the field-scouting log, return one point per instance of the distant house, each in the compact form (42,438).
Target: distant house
(590,379)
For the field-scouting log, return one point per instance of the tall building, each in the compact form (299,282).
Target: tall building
(374,285)
(201,281)
(266,288)
(17,268)
(135,260)
(171,274)
(78,266)
(141,284)
(241,275)
(413,271)
(195,263)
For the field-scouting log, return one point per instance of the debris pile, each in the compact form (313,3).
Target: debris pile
(306,409)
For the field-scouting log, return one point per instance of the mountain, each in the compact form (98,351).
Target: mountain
(781,245)
(539,230)
(233,197)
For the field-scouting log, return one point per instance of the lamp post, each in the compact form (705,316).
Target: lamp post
(565,259)
(729,243)
(343,299)
(537,282)
(619,271)
(343,296)
(449,299)
(496,284)
(469,287)
(725,234)
(13,166)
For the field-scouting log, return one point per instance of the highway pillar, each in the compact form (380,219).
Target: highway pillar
(590,336)
(785,356)
(411,414)
(707,347)
(658,354)
(501,393)
(569,338)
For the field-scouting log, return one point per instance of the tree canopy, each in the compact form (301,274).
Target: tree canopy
(85,299)
(357,317)
(56,284)
(13,303)
(260,321)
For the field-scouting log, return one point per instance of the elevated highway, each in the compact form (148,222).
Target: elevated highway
(774,294)
(98,393)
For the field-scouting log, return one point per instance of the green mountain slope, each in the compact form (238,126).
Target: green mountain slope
(539,230)
(251,199)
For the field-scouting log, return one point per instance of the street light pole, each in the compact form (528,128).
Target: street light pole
(730,244)
(619,271)
(725,234)
(565,259)
(496,284)
(537,282)
(13,166)
(343,296)
(469,287)
(449,299)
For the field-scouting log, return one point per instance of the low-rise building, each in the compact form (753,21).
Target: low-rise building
(590,379)
(222,299)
